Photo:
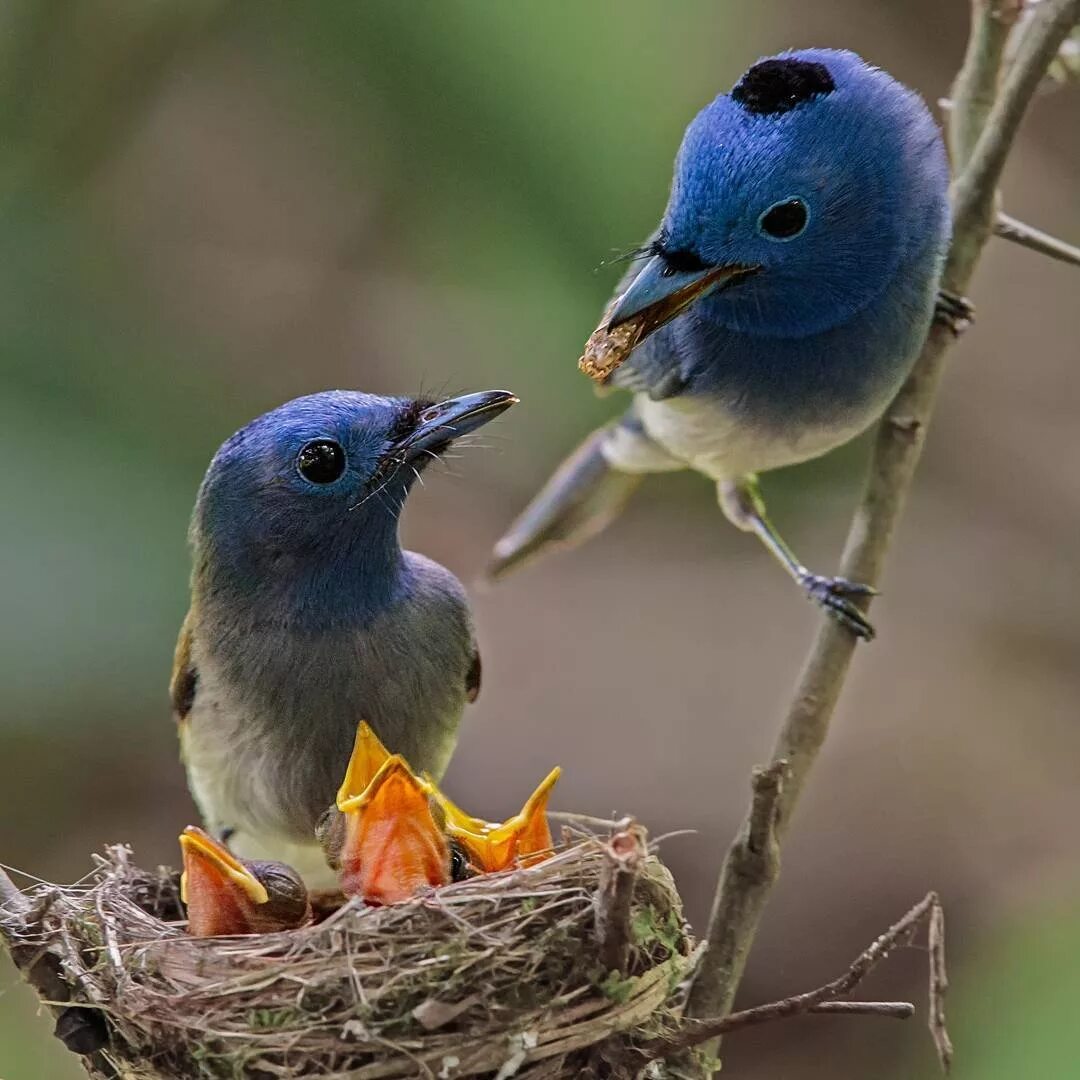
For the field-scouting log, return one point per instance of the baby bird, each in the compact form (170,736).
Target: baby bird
(491,846)
(226,896)
(391,834)
(307,614)
(783,301)
(381,836)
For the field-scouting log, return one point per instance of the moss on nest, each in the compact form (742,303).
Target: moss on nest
(497,976)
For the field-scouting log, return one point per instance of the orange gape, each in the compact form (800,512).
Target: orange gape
(523,839)
(222,895)
(390,832)
(392,847)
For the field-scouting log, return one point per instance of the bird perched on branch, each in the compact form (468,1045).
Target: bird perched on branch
(227,896)
(306,615)
(779,305)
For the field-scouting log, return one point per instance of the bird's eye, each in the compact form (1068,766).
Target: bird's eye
(321,461)
(784,220)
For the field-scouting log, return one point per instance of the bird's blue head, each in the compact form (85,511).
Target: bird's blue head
(305,499)
(796,199)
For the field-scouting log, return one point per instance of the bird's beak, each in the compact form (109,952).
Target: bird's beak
(392,847)
(217,888)
(368,757)
(659,293)
(457,820)
(440,424)
(521,839)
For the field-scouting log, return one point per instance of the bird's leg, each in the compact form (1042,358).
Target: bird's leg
(744,507)
(955,312)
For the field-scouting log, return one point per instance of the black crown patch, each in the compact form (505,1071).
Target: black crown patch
(778,86)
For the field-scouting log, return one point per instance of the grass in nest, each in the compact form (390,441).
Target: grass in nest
(372,992)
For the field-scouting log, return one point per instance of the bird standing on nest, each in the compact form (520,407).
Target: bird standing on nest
(226,896)
(307,614)
(783,300)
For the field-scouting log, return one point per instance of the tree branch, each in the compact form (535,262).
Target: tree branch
(974,190)
(826,999)
(749,871)
(1008,228)
(742,892)
(975,87)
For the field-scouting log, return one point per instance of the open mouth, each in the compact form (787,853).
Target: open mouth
(210,861)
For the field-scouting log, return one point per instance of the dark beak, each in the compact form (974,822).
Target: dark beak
(439,425)
(659,293)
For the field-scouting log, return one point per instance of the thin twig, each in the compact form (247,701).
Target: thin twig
(826,998)
(1008,228)
(896,1010)
(976,186)
(939,984)
(624,854)
(740,897)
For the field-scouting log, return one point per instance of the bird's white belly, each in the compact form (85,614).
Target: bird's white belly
(233,788)
(721,444)
(215,783)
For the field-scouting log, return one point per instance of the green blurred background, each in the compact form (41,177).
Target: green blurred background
(207,208)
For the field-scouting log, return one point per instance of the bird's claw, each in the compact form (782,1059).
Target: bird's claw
(835,595)
(955,312)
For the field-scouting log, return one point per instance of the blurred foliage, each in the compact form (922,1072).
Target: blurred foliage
(208,207)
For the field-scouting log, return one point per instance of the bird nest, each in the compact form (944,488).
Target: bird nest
(557,969)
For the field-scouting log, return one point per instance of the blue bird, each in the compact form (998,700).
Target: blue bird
(785,297)
(307,616)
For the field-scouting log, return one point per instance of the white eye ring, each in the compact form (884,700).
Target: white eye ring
(789,219)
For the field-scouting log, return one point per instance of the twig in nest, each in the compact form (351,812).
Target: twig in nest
(369,992)
(624,854)
(81,1030)
(825,999)
(13,903)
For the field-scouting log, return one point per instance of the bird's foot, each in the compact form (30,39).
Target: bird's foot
(836,595)
(955,312)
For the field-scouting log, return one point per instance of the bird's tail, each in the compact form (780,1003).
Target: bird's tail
(586,493)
